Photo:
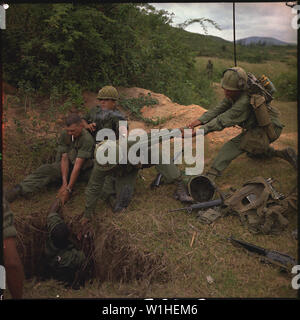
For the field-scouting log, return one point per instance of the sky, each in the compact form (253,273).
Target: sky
(262,19)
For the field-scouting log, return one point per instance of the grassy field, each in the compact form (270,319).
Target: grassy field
(282,73)
(150,252)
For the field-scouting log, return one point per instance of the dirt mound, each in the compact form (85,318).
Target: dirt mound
(180,115)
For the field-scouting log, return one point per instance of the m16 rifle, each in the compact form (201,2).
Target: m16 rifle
(201,205)
(282,260)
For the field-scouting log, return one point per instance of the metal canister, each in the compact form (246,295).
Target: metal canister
(267,83)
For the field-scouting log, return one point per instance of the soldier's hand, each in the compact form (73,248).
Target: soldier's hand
(92,126)
(63,195)
(194,124)
(86,229)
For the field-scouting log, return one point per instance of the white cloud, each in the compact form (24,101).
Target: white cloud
(252,19)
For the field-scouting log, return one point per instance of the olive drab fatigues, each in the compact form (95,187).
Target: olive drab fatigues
(118,184)
(9,229)
(81,147)
(111,186)
(63,263)
(251,140)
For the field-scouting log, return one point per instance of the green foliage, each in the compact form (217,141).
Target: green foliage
(19,128)
(64,45)
(286,86)
(25,93)
(134,106)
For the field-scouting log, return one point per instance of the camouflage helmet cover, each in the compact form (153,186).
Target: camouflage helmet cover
(108,92)
(234,79)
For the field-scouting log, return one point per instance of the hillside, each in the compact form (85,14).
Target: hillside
(262,41)
(149,251)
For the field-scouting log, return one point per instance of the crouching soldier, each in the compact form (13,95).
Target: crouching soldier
(63,261)
(246,104)
(73,160)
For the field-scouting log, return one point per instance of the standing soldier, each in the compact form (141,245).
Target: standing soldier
(260,123)
(105,116)
(209,69)
(120,193)
(12,261)
(73,160)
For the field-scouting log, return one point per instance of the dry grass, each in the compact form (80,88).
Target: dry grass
(149,252)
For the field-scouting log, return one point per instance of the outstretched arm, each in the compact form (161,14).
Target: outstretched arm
(64,165)
(75,172)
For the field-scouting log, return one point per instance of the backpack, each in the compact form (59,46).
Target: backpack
(260,207)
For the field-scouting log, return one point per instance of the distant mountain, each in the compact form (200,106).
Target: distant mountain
(263,41)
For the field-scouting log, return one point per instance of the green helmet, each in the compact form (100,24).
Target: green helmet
(234,79)
(108,92)
(200,187)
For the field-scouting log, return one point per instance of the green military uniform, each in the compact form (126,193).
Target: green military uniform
(113,186)
(63,263)
(209,68)
(104,119)
(9,229)
(117,185)
(81,147)
(240,112)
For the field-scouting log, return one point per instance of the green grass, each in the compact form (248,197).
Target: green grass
(182,251)
(282,74)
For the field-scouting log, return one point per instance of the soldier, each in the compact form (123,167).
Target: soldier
(209,69)
(12,261)
(120,192)
(106,115)
(73,160)
(62,259)
(260,123)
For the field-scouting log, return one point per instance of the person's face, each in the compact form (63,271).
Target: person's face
(108,104)
(230,94)
(74,129)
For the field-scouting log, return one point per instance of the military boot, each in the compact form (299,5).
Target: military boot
(13,193)
(181,193)
(120,202)
(289,155)
(212,173)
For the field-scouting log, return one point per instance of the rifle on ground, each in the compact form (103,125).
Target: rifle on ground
(280,259)
(201,205)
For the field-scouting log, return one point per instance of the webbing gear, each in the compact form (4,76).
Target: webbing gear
(259,207)
(259,104)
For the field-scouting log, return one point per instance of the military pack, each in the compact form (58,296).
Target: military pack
(260,91)
(260,207)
